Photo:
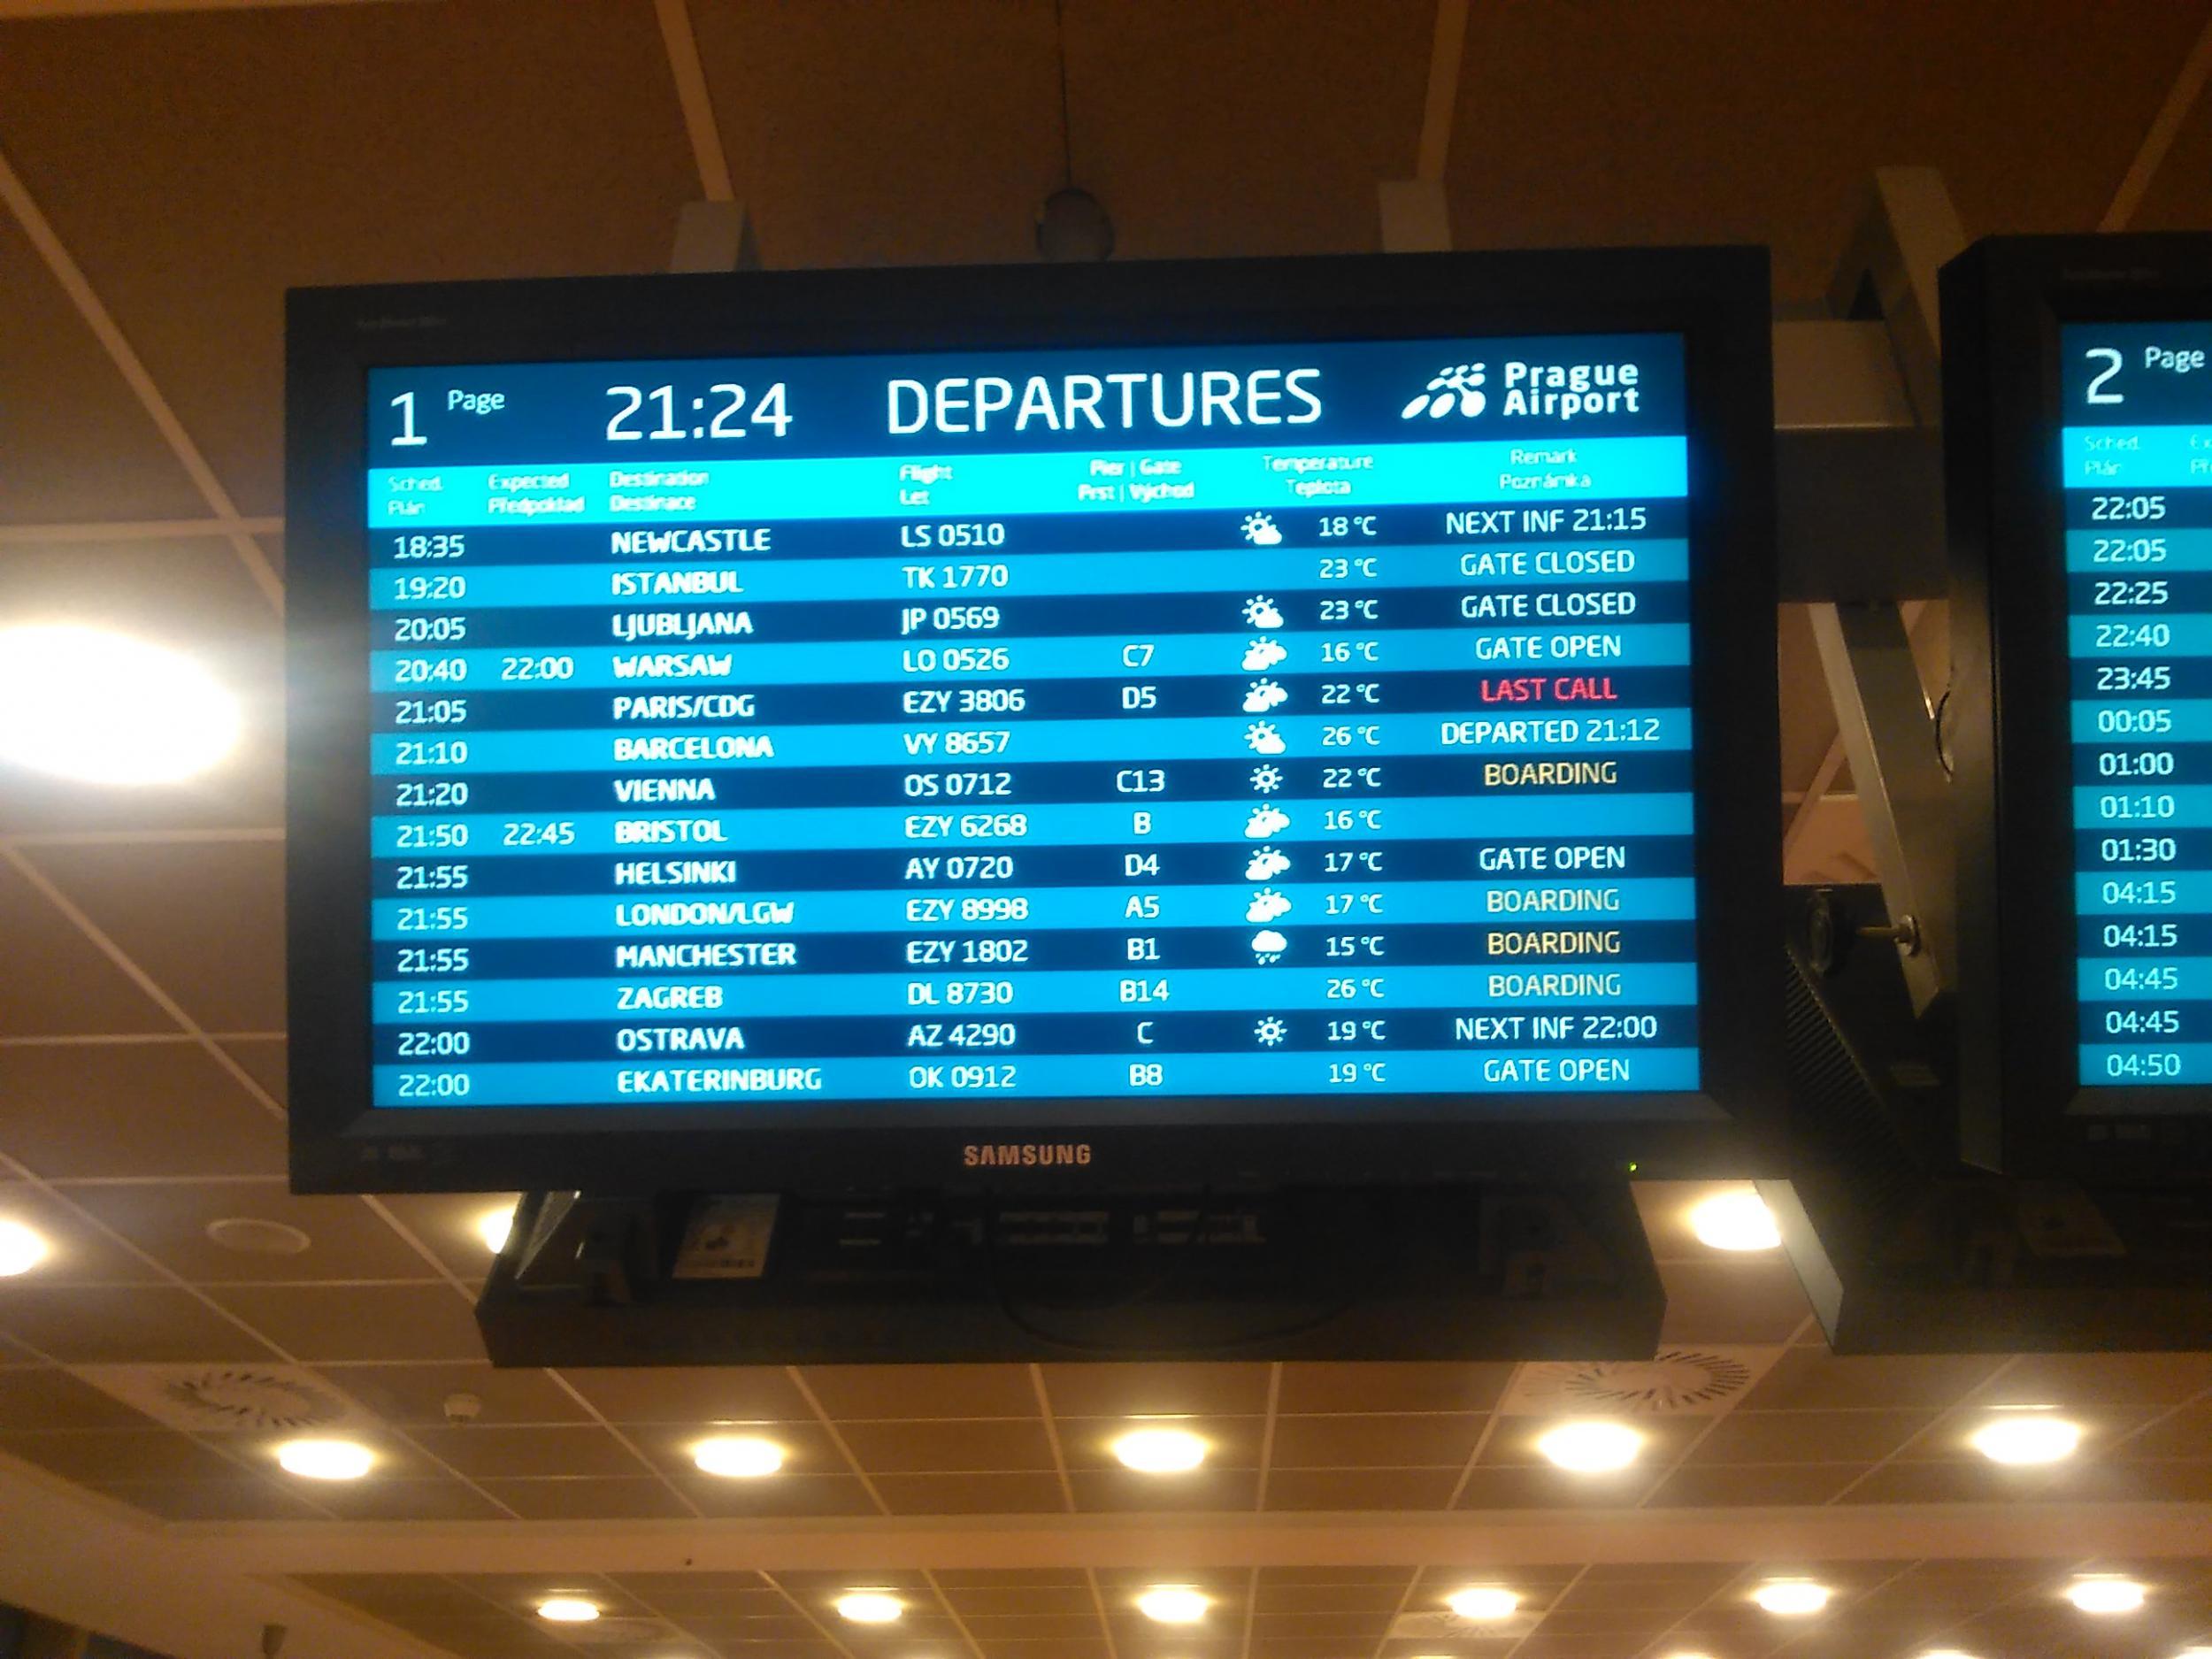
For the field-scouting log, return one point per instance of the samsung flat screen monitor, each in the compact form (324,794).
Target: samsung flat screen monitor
(2078,397)
(1137,725)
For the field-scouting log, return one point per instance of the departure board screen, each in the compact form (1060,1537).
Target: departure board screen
(1257,723)
(2137,454)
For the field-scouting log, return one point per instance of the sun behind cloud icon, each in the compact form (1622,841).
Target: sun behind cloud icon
(1261,654)
(1267,820)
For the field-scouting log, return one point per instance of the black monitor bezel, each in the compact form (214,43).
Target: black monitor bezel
(2023,1108)
(1717,299)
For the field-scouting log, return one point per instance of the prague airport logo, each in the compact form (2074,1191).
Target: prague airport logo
(1459,386)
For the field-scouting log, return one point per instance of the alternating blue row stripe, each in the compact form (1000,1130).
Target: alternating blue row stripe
(2136,457)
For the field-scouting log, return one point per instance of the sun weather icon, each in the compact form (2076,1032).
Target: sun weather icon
(1263,654)
(1459,386)
(1269,1031)
(1267,820)
(1267,779)
(1260,613)
(1266,864)
(1263,695)
(1260,531)
(1262,738)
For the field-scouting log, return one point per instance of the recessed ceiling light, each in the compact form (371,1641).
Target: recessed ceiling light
(104,708)
(1735,1221)
(738,1457)
(20,1249)
(2194,1653)
(2102,1595)
(1791,1598)
(1591,1446)
(1483,1603)
(325,1460)
(494,1226)
(1172,1604)
(567,1610)
(869,1607)
(1944,1653)
(2026,1437)
(1160,1451)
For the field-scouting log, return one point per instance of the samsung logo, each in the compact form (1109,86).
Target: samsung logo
(1024,1154)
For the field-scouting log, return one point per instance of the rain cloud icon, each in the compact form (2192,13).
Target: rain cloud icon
(1268,945)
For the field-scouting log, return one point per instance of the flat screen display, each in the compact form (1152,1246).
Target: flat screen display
(1162,723)
(1265,722)
(2136,450)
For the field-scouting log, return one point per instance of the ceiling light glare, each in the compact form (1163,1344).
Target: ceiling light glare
(1735,1221)
(2026,1437)
(97,707)
(2105,1596)
(325,1460)
(1792,1598)
(494,1227)
(1172,1604)
(1160,1451)
(1945,1653)
(1483,1603)
(2194,1653)
(20,1249)
(567,1610)
(738,1457)
(1591,1446)
(869,1607)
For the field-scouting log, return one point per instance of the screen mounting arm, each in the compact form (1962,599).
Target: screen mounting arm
(1885,727)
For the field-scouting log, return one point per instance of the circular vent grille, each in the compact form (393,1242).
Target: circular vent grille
(1676,1379)
(239,1397)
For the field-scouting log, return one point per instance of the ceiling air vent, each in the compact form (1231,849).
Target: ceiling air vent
(1675,1382)
(225,1399)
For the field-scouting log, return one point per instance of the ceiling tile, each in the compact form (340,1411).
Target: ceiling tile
(1120,1490)
(335,1323)
(149,1324)
(1808,1379)
(587,1500)
(1296,1590)
(228,1500)
(1361,1488)
(937,1448)
(1060,1649)
(396,1594)
(205,919)
(107,1455)
(2186,1433)
(972,1494)
(2086,1381)
(443,1499)
(1062,1595)
(795,1495)
(808,1448)
(1401,1440)
(93,454)
(266,1062)
(1808,1436)
(125,1110)
(1076,1626)
(413,1394)
(692,1394)
(346,1239)
(448,1225)
(923,1391)
(1523,1487)
(1749,1300)
(724,1594)
(479,1452)
(1718,1485)
(1146,1390)
(59,983)
(1391,1386)
(40,1398)
(575,163)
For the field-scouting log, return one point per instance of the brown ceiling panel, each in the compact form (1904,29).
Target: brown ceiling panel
(1230,1442)
(1583,123)
(807,1449)
(171,1222)
(145,1454)
(446,1224)
(1361,1488)
(972,1495)
(266,1062)
(1713,1487)
(42,1399)
(190,594)
(479,1451)
(923,1391)
(501,138)
(1122,1491)
(796,1495)
(1147,1390)
(1806,1379)
(1808,1436)
(78,1251)
(904,1449)
(631,1500)
(58,983)
(205,919)
(147,1324)
(337,1323)
(1754,1299)
(130,1110)
(1319,1387)
(75,444)
(227,1500)
(692,1394)
(1398,1441)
